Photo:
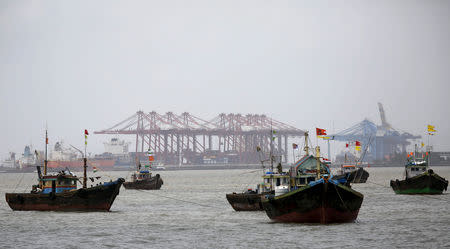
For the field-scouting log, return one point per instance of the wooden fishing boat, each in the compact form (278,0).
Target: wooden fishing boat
(313,195)
(58,192)
(250,200)
(353,173)
(273,183)
(143,179)
(419,179)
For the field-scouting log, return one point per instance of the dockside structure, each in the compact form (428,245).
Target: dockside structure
(225,139)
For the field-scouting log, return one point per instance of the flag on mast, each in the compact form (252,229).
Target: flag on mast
(151,156)
(86,133)
(357,145)
(321,132)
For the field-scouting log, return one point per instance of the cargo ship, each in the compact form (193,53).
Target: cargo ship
(78,163)
(62,157)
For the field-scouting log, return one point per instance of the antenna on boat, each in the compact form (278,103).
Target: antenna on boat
(415,151)
(46,143)
(365,151)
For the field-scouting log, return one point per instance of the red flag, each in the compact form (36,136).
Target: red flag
(357,143)
(86,132)
(321,132)
(294,146)
(346,145)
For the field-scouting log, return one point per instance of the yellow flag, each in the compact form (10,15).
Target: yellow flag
(358,148)
(431,128)
(423,144)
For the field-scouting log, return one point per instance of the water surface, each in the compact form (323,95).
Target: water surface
(190,211)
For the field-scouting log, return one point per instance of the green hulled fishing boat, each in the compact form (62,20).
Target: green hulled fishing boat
(419,179)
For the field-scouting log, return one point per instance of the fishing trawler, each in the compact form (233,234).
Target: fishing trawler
(143,179)
(419,178)
(313,196)
(58,192)
(273,183)
(352,173)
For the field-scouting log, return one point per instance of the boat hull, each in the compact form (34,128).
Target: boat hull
(98,198)
(99,163)
(425,183)
(154,183)
(245,201)
(323,202)
(359,175)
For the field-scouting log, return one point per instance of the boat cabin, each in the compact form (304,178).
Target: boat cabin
(141,175)
(414,168)
(347,168)
(416,165)
(305,171)
(59,183)
(278,182)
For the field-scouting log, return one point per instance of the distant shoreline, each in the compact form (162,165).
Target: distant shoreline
(192,167)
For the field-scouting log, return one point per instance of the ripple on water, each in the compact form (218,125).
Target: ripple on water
(170,218)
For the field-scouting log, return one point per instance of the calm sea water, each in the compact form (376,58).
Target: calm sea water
(190,211)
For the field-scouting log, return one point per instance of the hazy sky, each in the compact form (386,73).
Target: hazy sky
(79,65)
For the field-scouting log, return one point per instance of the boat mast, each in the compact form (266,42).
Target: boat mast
(318,161)
(415,151)
(85,160)
(45,160)
(271,146)
(306,144)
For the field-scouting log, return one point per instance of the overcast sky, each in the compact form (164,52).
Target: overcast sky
(78,65)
